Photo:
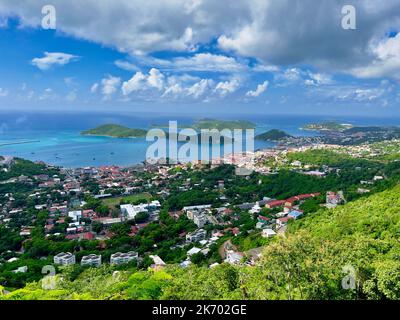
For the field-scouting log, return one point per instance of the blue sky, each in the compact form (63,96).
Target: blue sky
(197,56)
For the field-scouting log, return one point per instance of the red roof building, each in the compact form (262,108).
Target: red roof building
(88,236)
(275,204)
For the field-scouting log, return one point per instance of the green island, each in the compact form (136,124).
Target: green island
(209,124)
(223,124)
(272,135)
(327,126)
(115,131)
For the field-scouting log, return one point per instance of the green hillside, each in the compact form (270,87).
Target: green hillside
(327,126)
(272,135)
(311,262)
(116,131)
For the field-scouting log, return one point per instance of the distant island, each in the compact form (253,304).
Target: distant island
(273,135)
(115,131)
(118,131)
(204,124)
(327,126)
(222,124)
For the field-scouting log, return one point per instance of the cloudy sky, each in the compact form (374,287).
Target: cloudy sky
(246,56)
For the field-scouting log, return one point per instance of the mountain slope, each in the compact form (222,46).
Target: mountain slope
(318,259)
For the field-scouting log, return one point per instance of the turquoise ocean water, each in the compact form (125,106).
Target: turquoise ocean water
(55,138)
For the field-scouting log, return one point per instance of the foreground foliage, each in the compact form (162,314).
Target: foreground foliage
(310,263)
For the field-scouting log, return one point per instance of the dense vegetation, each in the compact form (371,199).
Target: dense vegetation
(26,168)
(312,262)
(272,135)
(222,124)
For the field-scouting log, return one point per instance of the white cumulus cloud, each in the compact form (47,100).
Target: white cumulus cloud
(51,59)
(226,87)
(260,89)
(110,86)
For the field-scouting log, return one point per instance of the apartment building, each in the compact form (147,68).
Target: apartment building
(64,259)
(91,260)
(122,258)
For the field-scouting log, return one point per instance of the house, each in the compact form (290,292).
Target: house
(263,219)
(315,173)
(296,163)
(92,260)
(193,251)
(334,199)
(154,205)
(233,257)
(88,236)
(281,222)
(235,231)
(158,262)
(23,269)
(268,233)
(123,258)
(255,209)
(185,264)
(295,214)
(64,259)
(25,231)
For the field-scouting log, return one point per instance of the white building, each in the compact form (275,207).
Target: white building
(91,260)
(255,209)
(193,251)
(23,269)
(154,205)
(64,259)
(185,264)
(122,258)
(131,211)
(268,233)
(75,215)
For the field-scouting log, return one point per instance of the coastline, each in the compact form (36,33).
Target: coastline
(109,136)
(18,142)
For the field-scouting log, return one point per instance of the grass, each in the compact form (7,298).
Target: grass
(112,202)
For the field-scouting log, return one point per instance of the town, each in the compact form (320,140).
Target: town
(152,215)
